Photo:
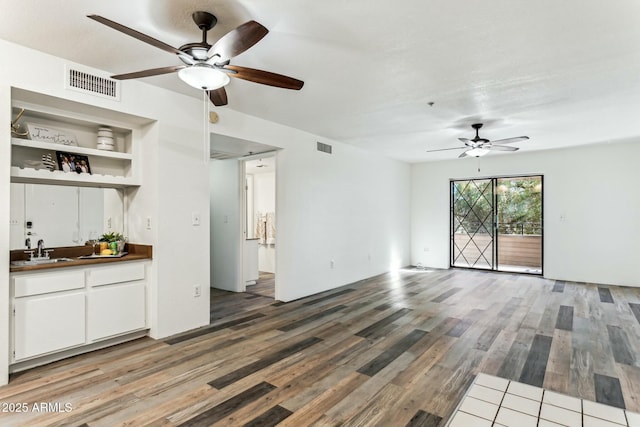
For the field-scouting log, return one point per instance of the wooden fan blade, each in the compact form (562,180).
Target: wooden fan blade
(510,140)
(265,77)
(148,73)
(137,35)
(237,41)
(503,148)
(218,97)
(445,149)
(464,154)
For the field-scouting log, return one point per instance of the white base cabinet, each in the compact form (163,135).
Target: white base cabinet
(115,310)
(54,311)
(47,323)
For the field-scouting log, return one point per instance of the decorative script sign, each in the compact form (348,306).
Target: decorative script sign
(47,134)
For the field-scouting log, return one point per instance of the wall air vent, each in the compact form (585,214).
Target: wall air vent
(90,83)
(325,148)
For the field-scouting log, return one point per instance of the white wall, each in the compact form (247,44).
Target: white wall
(264,196)
(113,214)
(5,198)
(17,233)
(168,195)
(594,187)
(226,226)
(352,207)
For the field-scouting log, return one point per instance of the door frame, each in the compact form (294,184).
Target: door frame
(243,210)
(494,179)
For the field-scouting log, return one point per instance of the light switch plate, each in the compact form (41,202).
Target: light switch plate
(195,218)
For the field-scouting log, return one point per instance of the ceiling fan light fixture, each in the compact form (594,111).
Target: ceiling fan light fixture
(203,76)
(477,152)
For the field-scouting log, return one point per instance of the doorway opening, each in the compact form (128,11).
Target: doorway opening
(228,231)
(497,224)
(260,225)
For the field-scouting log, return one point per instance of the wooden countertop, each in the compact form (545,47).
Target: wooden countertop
(135,252)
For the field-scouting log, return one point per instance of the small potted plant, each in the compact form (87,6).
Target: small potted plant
(113,242)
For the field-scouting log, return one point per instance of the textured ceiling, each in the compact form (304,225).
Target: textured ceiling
(564,73)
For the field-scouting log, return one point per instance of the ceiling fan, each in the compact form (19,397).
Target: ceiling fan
(477,147)
(207,66)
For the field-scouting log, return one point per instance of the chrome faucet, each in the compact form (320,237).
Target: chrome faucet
(40,251)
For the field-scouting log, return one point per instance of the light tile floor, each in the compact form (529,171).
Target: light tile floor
(492,401)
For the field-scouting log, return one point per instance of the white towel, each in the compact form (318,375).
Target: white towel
(266,228)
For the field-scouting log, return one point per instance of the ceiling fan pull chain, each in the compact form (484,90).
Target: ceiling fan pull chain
(205,128)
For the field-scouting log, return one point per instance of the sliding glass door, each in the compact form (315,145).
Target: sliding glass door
(496,224)
(472,227)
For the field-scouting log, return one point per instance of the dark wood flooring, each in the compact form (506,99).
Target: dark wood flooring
(265,286)
(394,350)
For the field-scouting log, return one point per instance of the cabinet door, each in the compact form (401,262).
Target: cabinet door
(45,324)
(116,309)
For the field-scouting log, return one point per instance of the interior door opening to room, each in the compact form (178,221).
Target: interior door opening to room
(229,258)
(260,225)
(497,224)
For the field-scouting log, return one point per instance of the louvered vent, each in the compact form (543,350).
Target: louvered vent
(85,82)
(325,148)
(219,155)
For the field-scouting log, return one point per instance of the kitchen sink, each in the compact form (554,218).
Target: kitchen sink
(40,261)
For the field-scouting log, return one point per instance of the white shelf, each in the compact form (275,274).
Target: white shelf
(44,176)
(29,143)
(111,169)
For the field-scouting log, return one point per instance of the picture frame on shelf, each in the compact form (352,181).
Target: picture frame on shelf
(45,133)
(70,162)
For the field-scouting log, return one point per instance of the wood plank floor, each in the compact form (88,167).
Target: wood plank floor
(265,286)
(394,350)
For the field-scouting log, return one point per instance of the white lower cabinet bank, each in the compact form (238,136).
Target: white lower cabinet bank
(63,312)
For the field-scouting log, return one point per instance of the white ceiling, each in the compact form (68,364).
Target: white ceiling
(562,72)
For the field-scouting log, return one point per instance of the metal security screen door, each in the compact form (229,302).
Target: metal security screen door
(472,223)
(496,224)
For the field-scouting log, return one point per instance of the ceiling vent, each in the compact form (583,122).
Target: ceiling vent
(90,83)
(220,155)
(325,148)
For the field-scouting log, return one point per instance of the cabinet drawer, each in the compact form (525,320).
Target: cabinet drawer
(44,283)
(122,273)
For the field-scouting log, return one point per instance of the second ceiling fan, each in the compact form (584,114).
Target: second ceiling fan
(476,146)
(206,66)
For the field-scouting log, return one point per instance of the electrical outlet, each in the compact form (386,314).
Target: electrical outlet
(14,222)
(148,223)
(109,223)
(195,218)
(332,263)
(197,291)
(426,249)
